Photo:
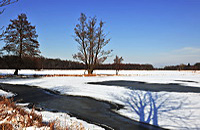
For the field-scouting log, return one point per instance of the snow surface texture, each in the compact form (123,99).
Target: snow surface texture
(63,120)
(167,109)
(6,94)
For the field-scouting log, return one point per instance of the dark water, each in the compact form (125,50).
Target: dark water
(88,109)
(154,87)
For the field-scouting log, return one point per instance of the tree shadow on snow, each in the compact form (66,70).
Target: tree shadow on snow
(150,107)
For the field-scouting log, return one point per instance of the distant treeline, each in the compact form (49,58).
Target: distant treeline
(12,62)
(126,66)
(183,67)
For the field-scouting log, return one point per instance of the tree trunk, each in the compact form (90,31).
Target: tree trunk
(117,72)
(20,55)
(16,72)
(90,71)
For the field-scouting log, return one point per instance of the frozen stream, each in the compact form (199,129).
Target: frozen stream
(88,109)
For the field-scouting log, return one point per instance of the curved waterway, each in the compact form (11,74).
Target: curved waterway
(88,109)
(153,87)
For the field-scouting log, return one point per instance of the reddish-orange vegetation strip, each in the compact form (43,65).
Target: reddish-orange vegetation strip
(61,75)
(77,75)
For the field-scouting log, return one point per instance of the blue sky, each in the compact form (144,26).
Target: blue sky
(159,32)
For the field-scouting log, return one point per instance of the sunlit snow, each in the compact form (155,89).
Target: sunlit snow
(176,111)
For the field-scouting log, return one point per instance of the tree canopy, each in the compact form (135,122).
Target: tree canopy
(21,38)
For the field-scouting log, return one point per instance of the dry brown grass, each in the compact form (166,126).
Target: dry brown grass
(16,116)
(13,117)
(55,125)
(6,126)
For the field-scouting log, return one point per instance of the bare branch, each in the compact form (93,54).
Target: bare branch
(7,2)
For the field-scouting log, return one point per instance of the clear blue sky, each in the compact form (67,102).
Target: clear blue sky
(159,32)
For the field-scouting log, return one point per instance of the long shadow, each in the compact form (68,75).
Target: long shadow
(154,87)
(88,109)
(148,106)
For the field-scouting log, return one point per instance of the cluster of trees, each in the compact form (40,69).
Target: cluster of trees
(21,44)
(22,48)
(23,52)
(124,66)
(47,63)
(183,67)
(12,62)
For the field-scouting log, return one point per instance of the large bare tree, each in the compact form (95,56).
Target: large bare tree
(21,39)
(91,39)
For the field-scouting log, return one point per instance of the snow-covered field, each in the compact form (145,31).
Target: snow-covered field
(167,109)
(41,72)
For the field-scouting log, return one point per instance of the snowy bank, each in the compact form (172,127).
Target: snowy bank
(6,94)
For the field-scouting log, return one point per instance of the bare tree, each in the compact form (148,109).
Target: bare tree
(117,62)
(21,39)
(91,39)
